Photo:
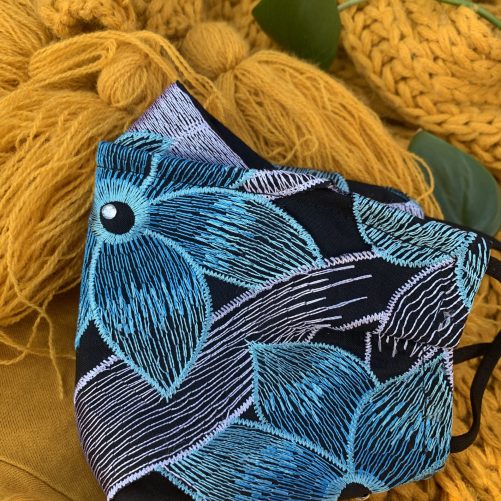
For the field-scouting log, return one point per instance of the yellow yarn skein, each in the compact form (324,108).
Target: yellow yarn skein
(224,49)
(50,128)
(293,113)
(130,82)
(21,34)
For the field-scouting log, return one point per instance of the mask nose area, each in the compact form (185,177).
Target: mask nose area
(117,217)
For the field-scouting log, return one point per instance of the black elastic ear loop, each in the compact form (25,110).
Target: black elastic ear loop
(471,351)
(494,268)
(491,354)
(496,244)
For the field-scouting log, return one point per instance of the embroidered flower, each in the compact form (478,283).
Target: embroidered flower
(405,240)
(154,236)
(326,425)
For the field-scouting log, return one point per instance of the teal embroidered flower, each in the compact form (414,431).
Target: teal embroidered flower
(151,245)
(405,240)
(325,424)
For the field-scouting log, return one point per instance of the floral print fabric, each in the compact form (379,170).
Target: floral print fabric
(250,331)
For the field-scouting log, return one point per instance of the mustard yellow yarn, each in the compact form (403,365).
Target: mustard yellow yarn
(66,17)
(22,33)
(169,18)
(438,66)
(224,49)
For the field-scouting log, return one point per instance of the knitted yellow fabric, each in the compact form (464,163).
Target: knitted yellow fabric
(170,18)
(76,71)
(438,66)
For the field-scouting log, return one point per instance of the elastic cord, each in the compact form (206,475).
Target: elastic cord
(496,244)
(471,351)
(490,353)
(494,268)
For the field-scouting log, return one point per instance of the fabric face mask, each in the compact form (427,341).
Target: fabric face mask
(250,331)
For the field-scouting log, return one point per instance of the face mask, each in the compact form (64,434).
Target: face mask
(250,331)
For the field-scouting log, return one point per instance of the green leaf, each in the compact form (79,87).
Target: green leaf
(309,28)
(465,190)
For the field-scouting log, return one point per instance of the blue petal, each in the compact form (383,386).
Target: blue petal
(84,312)
(170,174)
(311,390)
(402,429)
(116,158)
(146,141)
(251,461)
(158,171)
(152,308)
(238,237)
(143,159)
(402,238)
(408,241)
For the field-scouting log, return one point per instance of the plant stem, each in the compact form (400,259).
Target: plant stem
(478,9)
(348,4)
(489,16)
